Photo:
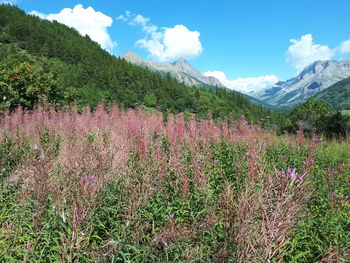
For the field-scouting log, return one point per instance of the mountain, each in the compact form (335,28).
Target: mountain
(337,95)
(180,70)
(187,74)
(313,79)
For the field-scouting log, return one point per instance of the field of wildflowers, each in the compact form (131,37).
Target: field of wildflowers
(128,186)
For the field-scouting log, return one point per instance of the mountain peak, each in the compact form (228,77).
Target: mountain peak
(132,57)
(184,66)
(182,61)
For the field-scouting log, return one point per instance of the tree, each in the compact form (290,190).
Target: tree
(150,100)
(309,114)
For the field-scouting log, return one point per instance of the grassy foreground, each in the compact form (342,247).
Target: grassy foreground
(113,186)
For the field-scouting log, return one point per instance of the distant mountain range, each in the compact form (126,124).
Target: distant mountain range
(315,78)
(180,69)
(185,73)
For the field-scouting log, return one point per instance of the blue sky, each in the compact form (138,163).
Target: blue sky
(245,43)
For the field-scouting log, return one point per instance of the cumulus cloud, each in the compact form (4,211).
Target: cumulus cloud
(304,52)
(244,85)
(87,21)
(345,47)
(172,44)
(166,44)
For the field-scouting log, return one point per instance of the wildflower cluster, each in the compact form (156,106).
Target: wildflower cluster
(91,180)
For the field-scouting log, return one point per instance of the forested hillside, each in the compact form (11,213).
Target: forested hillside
(89,74)
(337,95)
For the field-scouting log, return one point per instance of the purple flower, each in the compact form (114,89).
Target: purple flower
(316,139)
(293,174)
(92,180)
(89,180)
(336,195)
(299,178)
(343,164)
(311,162)
(84,179)
(171,217)
(43,95)
(331,170)
(159,133)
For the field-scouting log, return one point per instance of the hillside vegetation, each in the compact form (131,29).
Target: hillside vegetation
(337,95)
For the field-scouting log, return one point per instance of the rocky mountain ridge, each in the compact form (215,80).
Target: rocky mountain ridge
(180,69)
(314,78)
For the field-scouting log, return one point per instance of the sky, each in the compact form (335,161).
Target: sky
(246,44)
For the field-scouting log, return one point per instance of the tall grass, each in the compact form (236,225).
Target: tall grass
(125,186)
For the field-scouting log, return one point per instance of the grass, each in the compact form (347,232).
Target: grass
(345,112)
(113,186)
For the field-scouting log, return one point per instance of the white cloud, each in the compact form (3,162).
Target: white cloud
(87,22)
(345,47)
(140,20)
(125,16)
(10,2)
(304,52)
(244,85)
(38,14)
(172,43)
(166,44)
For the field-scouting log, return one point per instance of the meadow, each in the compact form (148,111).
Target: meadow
(129,186)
